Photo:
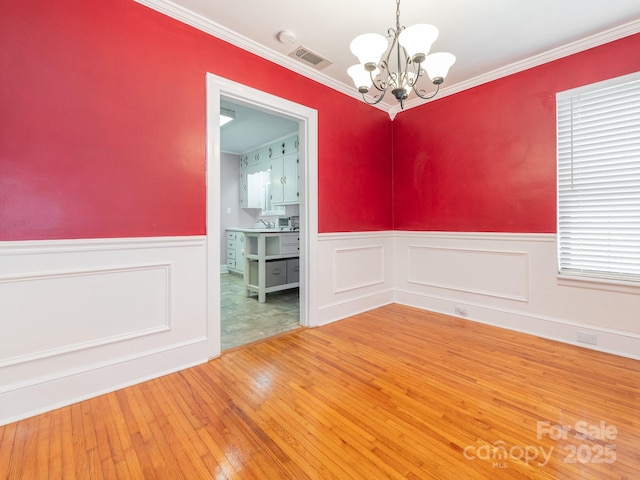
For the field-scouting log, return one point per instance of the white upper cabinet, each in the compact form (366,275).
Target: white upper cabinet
(285,183)
(284,180)
(270,178)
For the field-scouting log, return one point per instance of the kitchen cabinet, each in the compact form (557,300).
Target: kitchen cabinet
(271,262)
(269,177)
(285,180)
(244,181)
(258,186)
(235,251)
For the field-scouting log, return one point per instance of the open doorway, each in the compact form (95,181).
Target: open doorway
(260,202)
(219,91)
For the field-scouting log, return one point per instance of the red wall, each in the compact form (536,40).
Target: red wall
(484,160)
(102,125)
(102,132)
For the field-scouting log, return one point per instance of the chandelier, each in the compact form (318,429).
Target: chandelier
(410,46)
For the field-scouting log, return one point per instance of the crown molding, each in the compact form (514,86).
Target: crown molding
(188,17)
(592,41)
(206,25)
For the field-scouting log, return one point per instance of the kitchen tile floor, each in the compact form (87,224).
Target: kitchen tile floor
(244,319)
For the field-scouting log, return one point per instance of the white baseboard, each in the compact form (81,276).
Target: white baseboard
(46,394)
(623,344)
(353,306)
(510,280)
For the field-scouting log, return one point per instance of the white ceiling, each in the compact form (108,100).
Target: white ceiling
(485,36)
(490,38)
(252,128)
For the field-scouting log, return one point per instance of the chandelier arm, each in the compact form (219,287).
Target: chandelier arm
(383,85)
(405,70)
(426,97)
(401,71)
(379,98)
(385,65)
(417,72)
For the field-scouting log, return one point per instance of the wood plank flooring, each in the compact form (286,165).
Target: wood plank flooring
(395,393)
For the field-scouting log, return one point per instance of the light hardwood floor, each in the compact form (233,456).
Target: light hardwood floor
(393,393)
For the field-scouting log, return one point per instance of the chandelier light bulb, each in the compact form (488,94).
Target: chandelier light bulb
(417,40)
(437,66)
(361,77)
(369,47)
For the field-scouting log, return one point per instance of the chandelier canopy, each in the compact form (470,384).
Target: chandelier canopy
(410,46)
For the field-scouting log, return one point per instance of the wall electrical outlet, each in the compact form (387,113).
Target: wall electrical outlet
(460,311)
(584,337)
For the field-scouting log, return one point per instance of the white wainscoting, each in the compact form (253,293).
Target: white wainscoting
(509,280)
(355,274)
(83,317)
(466,270)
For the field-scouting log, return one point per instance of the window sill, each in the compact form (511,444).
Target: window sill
(595,283)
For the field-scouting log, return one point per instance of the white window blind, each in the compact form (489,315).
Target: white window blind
(598,128)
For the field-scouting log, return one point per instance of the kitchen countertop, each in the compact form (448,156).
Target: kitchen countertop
(262,230)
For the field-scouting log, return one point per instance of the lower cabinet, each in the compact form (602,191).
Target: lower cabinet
(277,272)
(293,270)
(273,262)
(235,251)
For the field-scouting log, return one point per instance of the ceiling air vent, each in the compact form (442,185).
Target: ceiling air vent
(310,58)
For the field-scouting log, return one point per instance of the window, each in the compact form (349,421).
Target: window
(598,128)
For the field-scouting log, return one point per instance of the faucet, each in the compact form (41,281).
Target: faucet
(266,224)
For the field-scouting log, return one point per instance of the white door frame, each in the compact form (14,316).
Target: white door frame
(307,119)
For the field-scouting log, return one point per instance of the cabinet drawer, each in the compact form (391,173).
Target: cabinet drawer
(290,240)
(231,245)
(231,254)
(289,244)
(231,263)
(293,270)
(289,249)
(231,236)
(275,273)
